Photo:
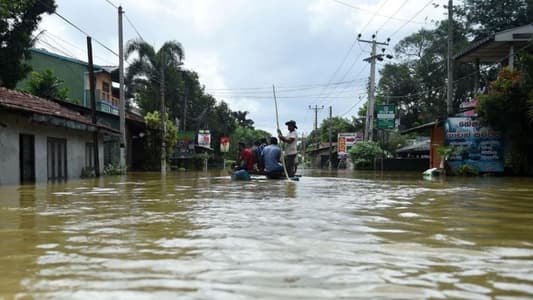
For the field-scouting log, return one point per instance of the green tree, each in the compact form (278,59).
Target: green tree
(144,73)
(246,135)
(416,83)
(18,19)
(338,125)
(153,139)
(505,108)
(483,17)
(242,121)
(46,85)
(364,153)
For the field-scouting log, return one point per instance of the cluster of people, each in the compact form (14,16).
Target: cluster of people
(266,159)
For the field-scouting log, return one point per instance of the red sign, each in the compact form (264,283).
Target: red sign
(224,144)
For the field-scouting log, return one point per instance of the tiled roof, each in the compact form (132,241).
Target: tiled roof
(20,101)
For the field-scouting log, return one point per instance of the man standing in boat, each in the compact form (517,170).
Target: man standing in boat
(290,146)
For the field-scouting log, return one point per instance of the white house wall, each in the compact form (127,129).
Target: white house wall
(9,148)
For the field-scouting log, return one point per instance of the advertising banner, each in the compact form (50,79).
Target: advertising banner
(476,146)
(224,144)
(346,140)
(185,142)
(204,138)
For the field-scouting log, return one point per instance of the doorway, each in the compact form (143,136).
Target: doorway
(27,158)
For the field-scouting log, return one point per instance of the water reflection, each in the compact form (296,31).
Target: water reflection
(330,235)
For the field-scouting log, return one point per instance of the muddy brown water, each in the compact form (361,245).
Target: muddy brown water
(199,235)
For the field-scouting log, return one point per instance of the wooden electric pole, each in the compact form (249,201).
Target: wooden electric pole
(92,93)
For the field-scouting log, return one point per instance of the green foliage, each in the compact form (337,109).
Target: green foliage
(114,169)
(338,125)
(246,135)
(18,19)
(415,83)
(507,108)
(445,151)
(152,140)
(364,153)
(466,170)
(487,16)
(87,172)
(46,85)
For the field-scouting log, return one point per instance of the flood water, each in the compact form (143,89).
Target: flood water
(328,236)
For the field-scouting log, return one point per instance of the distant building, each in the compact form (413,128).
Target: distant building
(75,77)
(40,140)
(74,74)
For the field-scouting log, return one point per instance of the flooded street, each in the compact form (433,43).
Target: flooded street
(328,236)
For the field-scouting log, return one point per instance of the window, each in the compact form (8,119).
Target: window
(57,158)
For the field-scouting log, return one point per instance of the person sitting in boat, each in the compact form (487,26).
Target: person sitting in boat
(271,156)
(257,151)
(245,159)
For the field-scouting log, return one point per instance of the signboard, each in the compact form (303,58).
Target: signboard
(204,138)
(185,142)
(386,116)
(476,146)
(224,144)
(346,140)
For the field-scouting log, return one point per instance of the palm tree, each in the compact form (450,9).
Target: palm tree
(144,73)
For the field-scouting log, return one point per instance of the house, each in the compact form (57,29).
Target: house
(75,77)
(40,140)
(320,154)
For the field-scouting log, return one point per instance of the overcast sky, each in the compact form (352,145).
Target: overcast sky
(240,48)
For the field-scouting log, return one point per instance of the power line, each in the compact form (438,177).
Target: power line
(373,16)
(133,26)
(78,28)
(381,15)
(111,3)
(416,14)
(389,18)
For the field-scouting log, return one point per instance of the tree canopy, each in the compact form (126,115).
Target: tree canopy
(18,20)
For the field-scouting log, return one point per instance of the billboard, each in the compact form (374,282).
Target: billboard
(185,142)
(477,146)
(204,138)
(346,140)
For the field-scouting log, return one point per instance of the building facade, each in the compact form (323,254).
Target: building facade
(42,141)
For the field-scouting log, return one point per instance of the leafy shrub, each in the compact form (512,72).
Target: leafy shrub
(363,154)
(466,170)
(114,169)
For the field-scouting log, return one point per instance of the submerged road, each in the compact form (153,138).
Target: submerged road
(331,235)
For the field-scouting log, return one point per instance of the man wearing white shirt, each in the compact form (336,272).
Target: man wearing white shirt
(290,146)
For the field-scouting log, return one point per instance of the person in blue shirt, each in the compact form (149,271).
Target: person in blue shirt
(271,157)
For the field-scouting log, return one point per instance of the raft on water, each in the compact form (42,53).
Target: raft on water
(244,175)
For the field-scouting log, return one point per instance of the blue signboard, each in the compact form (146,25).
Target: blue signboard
(475,145)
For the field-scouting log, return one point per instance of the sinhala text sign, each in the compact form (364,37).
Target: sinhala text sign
(476,146)
(386,116)
(346,140)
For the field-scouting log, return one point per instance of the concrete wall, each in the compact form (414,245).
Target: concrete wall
(9,147)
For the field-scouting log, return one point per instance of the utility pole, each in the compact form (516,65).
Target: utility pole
(163,117)
(316,108)
(184,110)
(329,137)
(122,104)
(92,87)
(449,98)
(369,126)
